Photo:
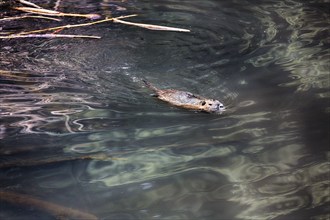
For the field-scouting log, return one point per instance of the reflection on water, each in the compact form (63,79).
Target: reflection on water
(79,129)
(305,58)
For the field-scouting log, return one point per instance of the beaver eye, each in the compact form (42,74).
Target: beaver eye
(203,103)
(210,104)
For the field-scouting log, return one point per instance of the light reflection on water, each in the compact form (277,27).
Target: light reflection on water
(267,157)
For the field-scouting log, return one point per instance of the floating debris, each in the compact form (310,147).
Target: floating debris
(42,13)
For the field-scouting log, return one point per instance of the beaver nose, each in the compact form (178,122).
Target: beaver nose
(220,106)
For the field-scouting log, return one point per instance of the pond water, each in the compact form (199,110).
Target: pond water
(79,129)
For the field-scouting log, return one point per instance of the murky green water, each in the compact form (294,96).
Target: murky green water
(267,157)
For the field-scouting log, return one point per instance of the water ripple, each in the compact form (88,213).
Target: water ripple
(31,103)
(263,158)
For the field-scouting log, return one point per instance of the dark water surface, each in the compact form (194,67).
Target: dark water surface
(267,157)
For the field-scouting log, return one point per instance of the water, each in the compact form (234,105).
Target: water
(79,129)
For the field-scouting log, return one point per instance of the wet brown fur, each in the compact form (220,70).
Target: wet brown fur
(187,100)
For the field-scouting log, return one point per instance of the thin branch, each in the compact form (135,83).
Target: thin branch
(29,3)
(48,36)
(58,211)
(57,4)
(150,26)
(48,12)
(75,25)
(28,16)
(4,33)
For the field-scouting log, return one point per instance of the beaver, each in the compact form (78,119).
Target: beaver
(187,100)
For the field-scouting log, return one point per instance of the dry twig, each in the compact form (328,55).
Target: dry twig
(28,16)
(29,3)
(12,36)
(48,12)
(35,9)
(75,25)
(150,26)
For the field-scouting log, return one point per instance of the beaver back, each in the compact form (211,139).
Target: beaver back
(177,97)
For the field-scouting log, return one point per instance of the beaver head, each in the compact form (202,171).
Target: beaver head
(212,105)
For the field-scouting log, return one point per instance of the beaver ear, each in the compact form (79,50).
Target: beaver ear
(203,102)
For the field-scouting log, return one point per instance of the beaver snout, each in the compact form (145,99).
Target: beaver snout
(221,107)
